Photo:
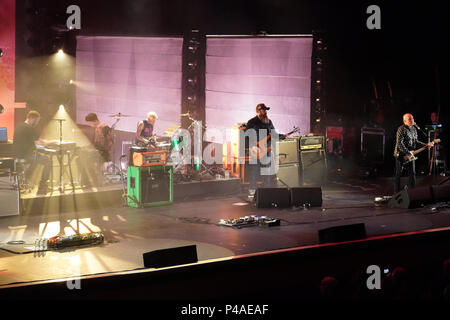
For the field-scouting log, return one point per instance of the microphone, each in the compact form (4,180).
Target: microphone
(415,125)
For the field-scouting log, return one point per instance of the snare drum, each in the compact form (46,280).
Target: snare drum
(135,149)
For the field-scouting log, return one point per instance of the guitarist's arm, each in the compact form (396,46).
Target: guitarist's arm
(274,131)
(429,145)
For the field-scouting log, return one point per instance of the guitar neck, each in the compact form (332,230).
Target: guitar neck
(419,150)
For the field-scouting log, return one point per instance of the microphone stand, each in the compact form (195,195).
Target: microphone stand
(61,165)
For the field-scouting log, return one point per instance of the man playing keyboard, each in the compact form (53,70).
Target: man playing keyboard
(26,138)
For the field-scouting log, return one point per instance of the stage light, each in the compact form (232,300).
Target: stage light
(317,99)
(192,81)
(60,53)
(1,52)
(192,98)
(318,120)
(192,64)
(317,81)
(61,108)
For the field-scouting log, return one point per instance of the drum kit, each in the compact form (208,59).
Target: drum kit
(167,143)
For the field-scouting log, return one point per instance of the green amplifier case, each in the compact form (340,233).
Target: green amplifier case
(149,186)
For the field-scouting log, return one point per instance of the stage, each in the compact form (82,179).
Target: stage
(130,232)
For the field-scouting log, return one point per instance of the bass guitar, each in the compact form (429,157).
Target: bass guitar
(411,157)
(261,149)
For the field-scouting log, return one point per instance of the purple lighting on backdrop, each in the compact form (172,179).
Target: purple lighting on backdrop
(242,72)
(129,75)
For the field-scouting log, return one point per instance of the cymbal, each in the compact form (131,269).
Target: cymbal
(119,115)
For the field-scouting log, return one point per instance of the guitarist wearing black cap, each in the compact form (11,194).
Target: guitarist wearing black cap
(264,130)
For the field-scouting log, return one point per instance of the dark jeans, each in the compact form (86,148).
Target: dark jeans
(39,159)
(411,169)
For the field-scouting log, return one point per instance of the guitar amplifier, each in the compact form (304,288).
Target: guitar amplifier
(312,142)
(288,150)
(149,159)
(149,186)
(313,167)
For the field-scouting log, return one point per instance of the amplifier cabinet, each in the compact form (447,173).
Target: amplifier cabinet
(288,150)
(288,175)
(149,186)
(313,167)
(9,198)
(312,142)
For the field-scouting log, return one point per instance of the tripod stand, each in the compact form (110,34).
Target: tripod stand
(113,168)
(197,127)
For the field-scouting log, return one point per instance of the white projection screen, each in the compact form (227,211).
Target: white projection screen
(130,75)
(244,71)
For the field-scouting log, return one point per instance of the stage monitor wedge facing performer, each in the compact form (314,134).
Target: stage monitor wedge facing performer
(406,141)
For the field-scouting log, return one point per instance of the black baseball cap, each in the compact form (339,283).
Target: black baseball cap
(262,106)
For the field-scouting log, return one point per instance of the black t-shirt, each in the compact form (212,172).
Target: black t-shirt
(23,141)
(268,128)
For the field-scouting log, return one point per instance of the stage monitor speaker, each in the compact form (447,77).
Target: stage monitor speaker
(343,233)
(306,196)
(288,175)
(170,257)
(272,198)
(441,192)
(412,198)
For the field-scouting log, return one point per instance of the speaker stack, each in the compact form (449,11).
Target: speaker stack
(289,163)
(313,162)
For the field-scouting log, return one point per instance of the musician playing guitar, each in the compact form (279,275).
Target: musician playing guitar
(404,152)
(264,130)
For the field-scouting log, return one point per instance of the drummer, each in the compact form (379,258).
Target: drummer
(144,132)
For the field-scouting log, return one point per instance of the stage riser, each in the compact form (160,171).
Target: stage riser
(113,198)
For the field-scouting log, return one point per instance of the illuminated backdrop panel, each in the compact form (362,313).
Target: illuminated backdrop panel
(242,72)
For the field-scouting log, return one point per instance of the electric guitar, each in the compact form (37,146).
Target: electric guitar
(261,149)
(411,157)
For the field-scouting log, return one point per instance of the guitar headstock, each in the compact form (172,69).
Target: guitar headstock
(294,130)
(437,141)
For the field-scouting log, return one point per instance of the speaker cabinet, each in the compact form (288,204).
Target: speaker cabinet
(343,233)
(272,198)
(412,198)
(288,151)
(289,175)
(149,186)
(170,257)
(306,196)
(313,167)
(9,198)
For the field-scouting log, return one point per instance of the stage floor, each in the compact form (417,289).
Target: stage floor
(130,232)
